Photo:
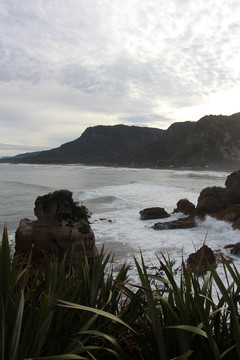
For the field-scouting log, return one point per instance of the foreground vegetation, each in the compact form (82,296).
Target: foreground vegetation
(87,313)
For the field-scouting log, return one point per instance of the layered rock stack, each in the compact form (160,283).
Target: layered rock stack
(61,224)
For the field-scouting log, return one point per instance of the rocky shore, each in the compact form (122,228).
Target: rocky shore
(61,223)
(221,203)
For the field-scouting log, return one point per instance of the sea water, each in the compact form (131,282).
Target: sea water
(115,196)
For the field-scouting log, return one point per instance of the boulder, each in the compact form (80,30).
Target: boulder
(153,213)
(61,224)
(213,199)
(232,183)
(183,223)
(185,206)
(222,203)
(199,261)
(218,202)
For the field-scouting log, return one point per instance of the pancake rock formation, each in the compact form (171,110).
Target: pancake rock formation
(61,224)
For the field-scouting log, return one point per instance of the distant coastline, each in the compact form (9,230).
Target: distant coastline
(210,143)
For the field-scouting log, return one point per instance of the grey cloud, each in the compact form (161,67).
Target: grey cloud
(16,64)
(122,61)
(116,80)
(88,80)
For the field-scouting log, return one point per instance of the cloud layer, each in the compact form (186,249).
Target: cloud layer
(67,65)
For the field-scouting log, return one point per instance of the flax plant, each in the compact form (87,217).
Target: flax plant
(196,317)
(33,325)
(85,312)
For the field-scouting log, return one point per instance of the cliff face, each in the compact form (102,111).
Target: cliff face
(216,139)
(211,141)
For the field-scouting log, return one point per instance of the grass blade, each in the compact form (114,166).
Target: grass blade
(154,315)
(17,329)
(95,311)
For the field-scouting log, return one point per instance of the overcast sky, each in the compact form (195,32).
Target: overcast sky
(70,64)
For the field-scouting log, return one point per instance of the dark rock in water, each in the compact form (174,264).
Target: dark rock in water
(103,219)
(236,224)
(199,261)
(222,203)
(235,248)
(183,223)
(185,206)
(61,224)
(231,214)
(214,199)
(153,213)
(232,183)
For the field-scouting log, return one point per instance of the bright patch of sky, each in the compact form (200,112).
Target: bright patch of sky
(68,65)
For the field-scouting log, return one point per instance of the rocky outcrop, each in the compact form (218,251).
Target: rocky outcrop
(222,203)
(232,183)
(185,206)
(61,224)
(199,261)
(153,213)
(214,199)
(182,223)
(218,202)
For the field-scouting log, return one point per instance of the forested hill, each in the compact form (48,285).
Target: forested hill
(98,145)
(214,140)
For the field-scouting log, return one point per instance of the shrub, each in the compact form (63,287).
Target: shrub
(84,312)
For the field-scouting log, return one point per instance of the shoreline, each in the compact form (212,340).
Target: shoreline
(116,166)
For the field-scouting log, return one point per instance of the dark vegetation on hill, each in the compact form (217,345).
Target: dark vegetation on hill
(212,141)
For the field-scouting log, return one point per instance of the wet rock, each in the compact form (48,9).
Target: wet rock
(234,248)
(183,223)
(231,214)
(153,213)
(199,261)
(236,224)
(185,206)
(61,224)
(222,203)
(103,219)
(232,183)
(213,199)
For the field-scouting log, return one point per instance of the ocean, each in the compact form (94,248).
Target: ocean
(115,196)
